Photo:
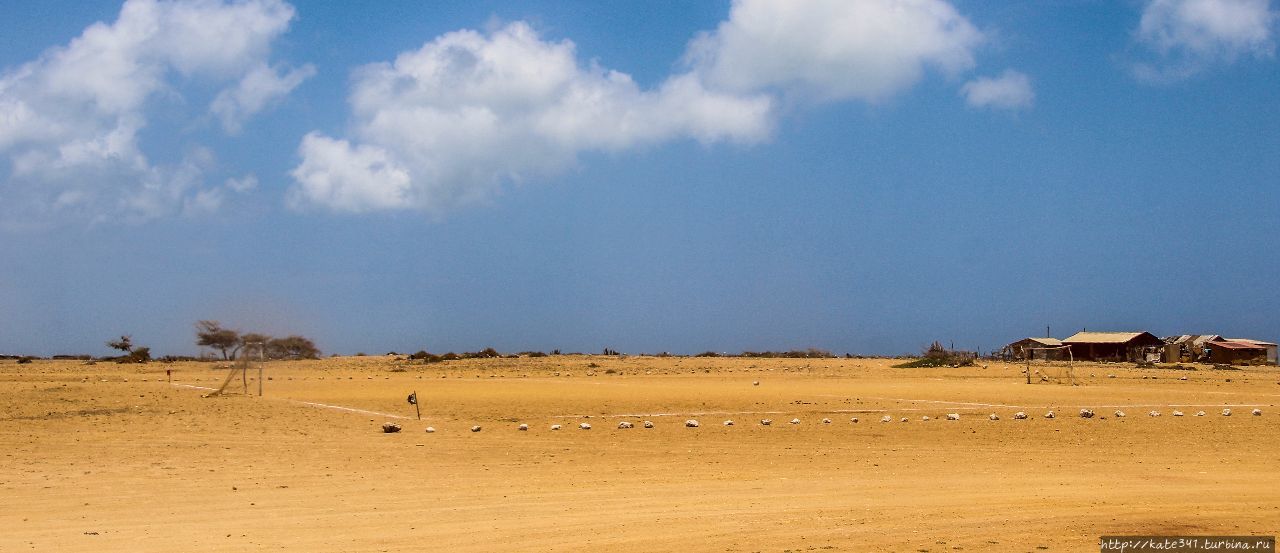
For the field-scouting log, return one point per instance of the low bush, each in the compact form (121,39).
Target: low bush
(938,356)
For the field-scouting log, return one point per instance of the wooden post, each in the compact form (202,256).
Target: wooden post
(415,404)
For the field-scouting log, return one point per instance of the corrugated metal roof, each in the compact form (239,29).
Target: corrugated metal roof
(1251,341)
(1103,337)
(1234,345)
(1205,338)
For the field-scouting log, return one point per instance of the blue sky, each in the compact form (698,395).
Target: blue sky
(662,176)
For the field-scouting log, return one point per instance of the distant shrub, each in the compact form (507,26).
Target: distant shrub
(79,357)
(486,353)
(451,356)
(811,353)
(138,355)
(177,358)
(420,355)
(708,354)
(292,347)
(532,354)
(936,355)
(24,360)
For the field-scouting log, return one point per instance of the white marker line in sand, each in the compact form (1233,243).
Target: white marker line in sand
(314,404)
(196,387)
(348,409)
(937,401)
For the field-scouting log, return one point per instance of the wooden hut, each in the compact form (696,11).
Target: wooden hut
(1026,349)
(1230,352)
(1112,346)
(1271,347)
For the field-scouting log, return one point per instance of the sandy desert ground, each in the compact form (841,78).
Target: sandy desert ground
(110,457)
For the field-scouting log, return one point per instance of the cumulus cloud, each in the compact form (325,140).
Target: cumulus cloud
(258,88)
(449,123)
(1189,35)
(70,119)
(1011,90)
(834,49)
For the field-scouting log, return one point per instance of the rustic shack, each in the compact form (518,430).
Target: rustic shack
(1270,346)
(1187,348)
(1027,348)
(1230,352)
(1113,346)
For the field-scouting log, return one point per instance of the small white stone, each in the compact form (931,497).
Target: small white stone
(1086,413)
(756,383)
(475,428)
(625,425)
(1177,413)
(728,423)
(1119,414)
(1048,415)
(431,429)
(584,426)
(1226,412)
(904,419)
(795,421)
(1257,412)
(1019,416)
(555,427)
(648,424)
(886,418)
(1199,413)
(826,421)
(523,427)
(994,417)
(853,420)
(1154,414)
(766,422)
(691,423)
(953,416)
(924,418)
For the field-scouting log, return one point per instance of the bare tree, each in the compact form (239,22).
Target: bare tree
(124,344)
(132,354)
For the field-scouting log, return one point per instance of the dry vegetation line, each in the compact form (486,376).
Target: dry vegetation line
(312,404)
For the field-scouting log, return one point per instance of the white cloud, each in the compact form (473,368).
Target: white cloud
(1011,90)
(242,184)
(834,49)
(358,179)
(259,87)
(1189,35)
(449,123)
(70,119)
